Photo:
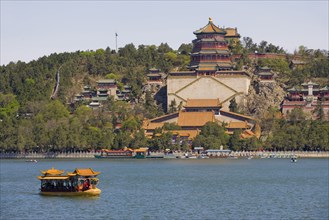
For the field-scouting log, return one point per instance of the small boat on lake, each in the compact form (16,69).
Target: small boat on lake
(80,182)
(293,159)
(31,161)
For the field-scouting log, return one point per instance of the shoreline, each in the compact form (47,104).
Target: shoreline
(238,154)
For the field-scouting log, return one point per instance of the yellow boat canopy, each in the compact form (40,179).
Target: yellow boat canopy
(52,172)
(83,172)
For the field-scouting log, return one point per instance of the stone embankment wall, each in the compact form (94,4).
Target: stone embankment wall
(47,155)
(282,154)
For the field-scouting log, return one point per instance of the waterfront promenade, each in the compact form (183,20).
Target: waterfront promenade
(242,154)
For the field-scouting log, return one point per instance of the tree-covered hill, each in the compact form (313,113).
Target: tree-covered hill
(34,81)
(31,120)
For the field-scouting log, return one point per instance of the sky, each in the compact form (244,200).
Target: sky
(32,29)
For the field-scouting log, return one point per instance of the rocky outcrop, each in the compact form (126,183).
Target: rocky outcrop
(262,96)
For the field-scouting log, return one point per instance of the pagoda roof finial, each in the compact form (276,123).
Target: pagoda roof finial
(210,28)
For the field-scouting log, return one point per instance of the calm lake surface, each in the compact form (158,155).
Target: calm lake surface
(174,189)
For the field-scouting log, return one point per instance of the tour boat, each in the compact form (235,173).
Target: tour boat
(139,153)
(126,153)
(80,182)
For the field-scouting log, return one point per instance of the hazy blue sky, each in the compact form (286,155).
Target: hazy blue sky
(31,29)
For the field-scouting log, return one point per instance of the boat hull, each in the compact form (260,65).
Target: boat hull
(89,192)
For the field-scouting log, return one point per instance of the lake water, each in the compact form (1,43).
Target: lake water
(174,189)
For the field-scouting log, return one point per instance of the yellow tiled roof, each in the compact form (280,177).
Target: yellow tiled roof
(238,124)
(147,125)
(163,117)
(247,134)
(84,172)
(210,28)
(195,119)
(202,103)
(191,134)
(231,32)
(237,114)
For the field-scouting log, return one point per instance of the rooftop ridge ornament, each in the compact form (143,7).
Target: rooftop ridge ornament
(210,19)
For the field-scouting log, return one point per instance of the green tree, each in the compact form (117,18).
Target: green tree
(55,110)
(8,134)
(130,125)
(296,115)
(152,110)
(139,140)
(171,126)
(212,136)
(233,106)
(122,139)
(234,140)
(107,138)
(164,48)
(318,111)
(74,137)
(172,106)
(249,45)
(112,76)
(8,106)
(185,49)
(93,137)
(25,136)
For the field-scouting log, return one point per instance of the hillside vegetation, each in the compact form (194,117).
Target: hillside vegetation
(31,121)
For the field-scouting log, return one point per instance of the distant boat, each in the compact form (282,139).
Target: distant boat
(188,156)
(80,182)
(128,153)
(293,159)
(31,161)
(139,153)
(203,156)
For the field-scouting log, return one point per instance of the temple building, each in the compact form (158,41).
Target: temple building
(196,113)
(232,35)
(104,89)
(307,97)
(211,74)
(108,86)
(155,76)
(203,105)
(264,74)
(210,51)
(155,79)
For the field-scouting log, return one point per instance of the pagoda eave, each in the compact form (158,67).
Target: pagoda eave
(211,52)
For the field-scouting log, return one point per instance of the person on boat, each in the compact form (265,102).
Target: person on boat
(86,184)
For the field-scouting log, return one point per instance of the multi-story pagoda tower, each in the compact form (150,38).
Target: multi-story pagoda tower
(210,51)
(211,74)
